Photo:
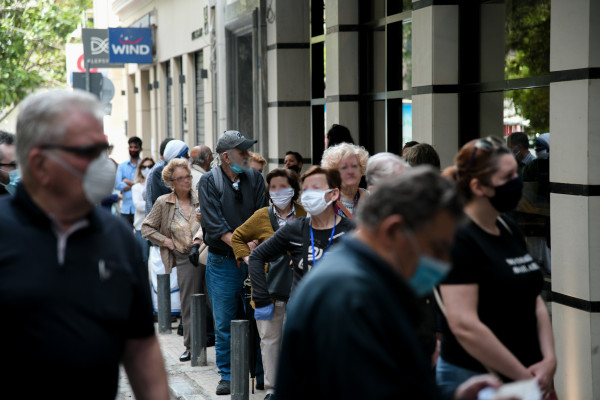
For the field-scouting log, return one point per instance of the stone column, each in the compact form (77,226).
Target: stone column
(288,80)
(575,191)
(436,77)
(342,65)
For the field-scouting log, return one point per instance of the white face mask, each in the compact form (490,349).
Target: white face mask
(146,172)
(314,202)
(282,198)
(98,180)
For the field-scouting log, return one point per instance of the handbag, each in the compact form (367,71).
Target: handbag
(279,272)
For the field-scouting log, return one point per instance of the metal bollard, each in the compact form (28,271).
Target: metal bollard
(164,303)
(198,330)
(239,360)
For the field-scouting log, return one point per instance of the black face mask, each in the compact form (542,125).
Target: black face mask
(134,153)
(294,168)
(507,195)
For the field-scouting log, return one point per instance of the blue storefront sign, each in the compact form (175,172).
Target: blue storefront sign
(130,45)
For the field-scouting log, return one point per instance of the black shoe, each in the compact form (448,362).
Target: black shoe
(186,356)
(260,386)
(180,329)
(224,387)
(270,396)
(210,342)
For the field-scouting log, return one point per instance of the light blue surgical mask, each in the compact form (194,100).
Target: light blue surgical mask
(430,271)
(237,169)
(14,177)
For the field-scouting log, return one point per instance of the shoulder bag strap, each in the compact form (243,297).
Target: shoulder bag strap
(305,242)
(344,209)
(504,224)
(272,218)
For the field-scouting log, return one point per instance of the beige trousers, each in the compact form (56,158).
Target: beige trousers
(270,344)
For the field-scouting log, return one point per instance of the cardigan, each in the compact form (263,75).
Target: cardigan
(257,227)
(157,225)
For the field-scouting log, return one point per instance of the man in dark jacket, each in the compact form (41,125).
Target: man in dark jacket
(229,194)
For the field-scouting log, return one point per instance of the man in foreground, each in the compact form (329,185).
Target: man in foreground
(72,272)
(350,330)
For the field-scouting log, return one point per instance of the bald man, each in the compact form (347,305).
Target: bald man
(200,159)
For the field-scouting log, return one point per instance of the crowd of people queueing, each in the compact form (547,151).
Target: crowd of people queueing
(367,242)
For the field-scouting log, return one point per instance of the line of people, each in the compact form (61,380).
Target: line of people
(364,258)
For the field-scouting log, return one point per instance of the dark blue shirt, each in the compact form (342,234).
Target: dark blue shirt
(72,310)
(350,333)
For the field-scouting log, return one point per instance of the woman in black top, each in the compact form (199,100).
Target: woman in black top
(496,317)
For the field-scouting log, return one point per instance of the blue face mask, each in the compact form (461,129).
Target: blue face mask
(237,168)
(14,177)
(430,271)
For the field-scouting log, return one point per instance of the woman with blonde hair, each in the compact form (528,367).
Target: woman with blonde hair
(171,225)
(351,161)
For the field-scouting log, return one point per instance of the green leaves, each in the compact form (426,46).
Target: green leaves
(33,35)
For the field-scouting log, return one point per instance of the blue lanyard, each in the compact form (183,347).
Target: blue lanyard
(312,240)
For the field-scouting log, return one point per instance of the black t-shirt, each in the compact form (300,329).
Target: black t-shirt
(509,282)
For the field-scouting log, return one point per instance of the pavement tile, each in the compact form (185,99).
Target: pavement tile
(186,382)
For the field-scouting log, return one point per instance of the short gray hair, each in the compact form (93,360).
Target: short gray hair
(383,165)
(42,118)
(203,156)
(418,194)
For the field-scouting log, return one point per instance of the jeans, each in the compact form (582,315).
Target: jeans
(448,376)
(224,281)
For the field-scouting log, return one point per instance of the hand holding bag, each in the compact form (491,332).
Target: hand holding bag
(279,272)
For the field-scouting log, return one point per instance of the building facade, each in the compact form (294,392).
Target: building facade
(436,71)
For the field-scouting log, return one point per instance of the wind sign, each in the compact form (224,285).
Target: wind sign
(130,45)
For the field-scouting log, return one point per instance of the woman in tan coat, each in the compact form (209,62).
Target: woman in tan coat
(172,224)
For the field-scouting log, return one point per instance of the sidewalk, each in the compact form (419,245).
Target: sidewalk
(186,382)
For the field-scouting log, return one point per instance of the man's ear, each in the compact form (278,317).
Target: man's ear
(38,166)
(390,227)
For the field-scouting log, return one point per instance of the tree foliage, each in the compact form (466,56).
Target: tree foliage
(528,55)
(33,34)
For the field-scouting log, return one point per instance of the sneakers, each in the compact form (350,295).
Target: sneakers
(224,387)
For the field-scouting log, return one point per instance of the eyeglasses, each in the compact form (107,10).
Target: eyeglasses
(183,178)
(89,151)
(10,164)
(484,144)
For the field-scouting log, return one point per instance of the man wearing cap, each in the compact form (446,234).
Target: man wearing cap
(229,194)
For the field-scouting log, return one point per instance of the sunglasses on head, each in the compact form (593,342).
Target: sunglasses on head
(88,151)
(484,144)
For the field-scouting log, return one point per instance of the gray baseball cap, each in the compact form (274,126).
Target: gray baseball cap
(233,140)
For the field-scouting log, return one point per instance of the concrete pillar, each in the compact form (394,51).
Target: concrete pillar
(342,65)
(435,65)
(575,191)
(154,113)
(491,105)
(142,108)
(288,81)
(131,114)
